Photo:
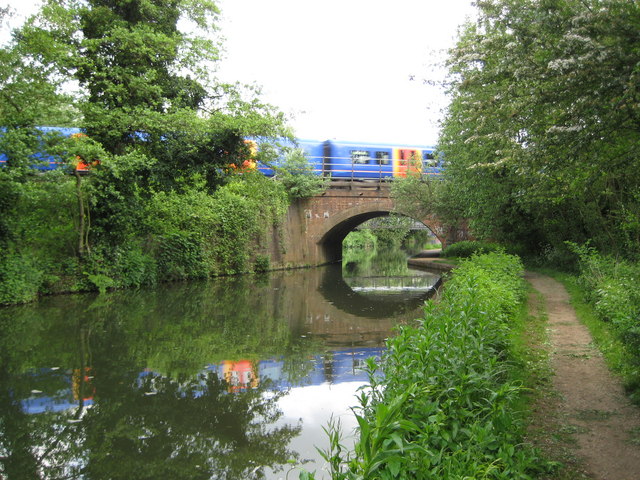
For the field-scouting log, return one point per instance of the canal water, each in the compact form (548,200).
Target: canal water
(232,378)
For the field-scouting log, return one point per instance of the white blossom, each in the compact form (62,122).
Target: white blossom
(561,64)
(565,129)
(578,38)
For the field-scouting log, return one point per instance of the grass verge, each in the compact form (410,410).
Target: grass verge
(619,359)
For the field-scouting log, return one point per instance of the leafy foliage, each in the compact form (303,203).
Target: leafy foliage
(468,248)
(445,405)
(153,133)
(392,230)
(611,287)
(215,234)
(541,138)
(20,279)
(31,90)
(360,239)
(37,234)
(419,197)
(298,175)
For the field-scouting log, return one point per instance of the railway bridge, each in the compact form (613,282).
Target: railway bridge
(317,226)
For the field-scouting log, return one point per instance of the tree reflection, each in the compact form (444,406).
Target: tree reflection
(160,428)
(374,262)
(132,384)
(107,416)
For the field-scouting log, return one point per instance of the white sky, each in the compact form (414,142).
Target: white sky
(340,68)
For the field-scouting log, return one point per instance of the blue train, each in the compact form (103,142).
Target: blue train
(365,161)
(335,159)
(43,161)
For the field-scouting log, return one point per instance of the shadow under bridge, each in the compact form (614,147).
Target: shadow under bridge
(331,241)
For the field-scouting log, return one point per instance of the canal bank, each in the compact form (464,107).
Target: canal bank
(430,260)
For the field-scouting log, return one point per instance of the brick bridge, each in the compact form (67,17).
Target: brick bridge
(317,226)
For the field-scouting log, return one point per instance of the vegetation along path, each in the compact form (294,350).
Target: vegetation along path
(592,402)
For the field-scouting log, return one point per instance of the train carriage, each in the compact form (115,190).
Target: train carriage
(341,160)
(312,150)
(43,161)
(364,161)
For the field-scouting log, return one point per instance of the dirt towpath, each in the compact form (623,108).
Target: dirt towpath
(592,403)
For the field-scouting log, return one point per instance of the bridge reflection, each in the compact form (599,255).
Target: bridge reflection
(334,322)
(378,296)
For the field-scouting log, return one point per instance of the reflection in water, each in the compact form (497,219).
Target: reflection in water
(226,379)
(378,297)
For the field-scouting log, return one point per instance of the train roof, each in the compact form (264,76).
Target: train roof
(309,141)
(381,144)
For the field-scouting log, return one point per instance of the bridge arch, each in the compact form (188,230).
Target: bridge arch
(316,226)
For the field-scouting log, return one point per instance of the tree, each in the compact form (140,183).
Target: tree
(156,120)
(422,197)
(132,60)
(542,135)
(148,85)
(31,85)
(297,174)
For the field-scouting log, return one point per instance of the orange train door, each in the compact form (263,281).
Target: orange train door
(406,160)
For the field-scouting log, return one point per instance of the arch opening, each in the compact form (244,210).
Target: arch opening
(331,241)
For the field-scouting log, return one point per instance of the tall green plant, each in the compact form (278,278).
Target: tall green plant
(223,231)
(298,175)
(156,120)
(610,286)
(445,405)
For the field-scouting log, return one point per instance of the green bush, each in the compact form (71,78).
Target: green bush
(137,236)
(225,229)
(360,239)
(20,278)
(230,242)
(37,233)
(297,175)
(262,264)
(132,267)
(119,193)
(180,256)
(611,286)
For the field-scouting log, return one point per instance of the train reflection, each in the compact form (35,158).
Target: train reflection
(54,390)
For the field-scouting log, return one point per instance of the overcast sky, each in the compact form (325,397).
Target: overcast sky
(344,69)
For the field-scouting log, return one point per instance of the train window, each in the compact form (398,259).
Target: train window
(359,156)
(382,158)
